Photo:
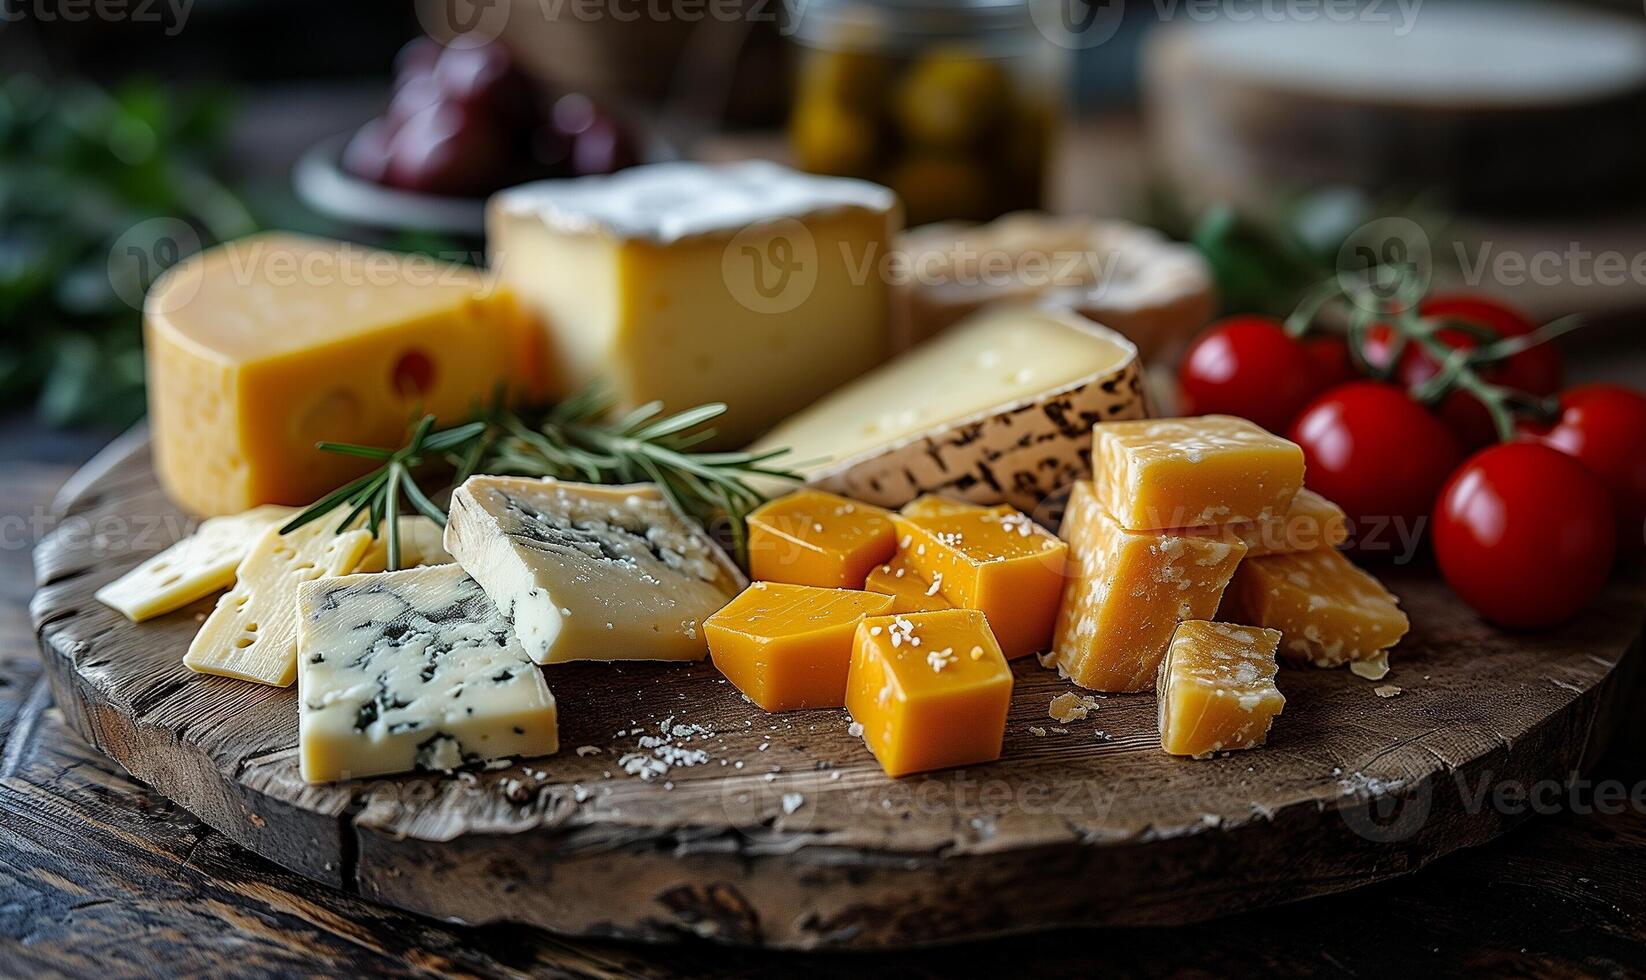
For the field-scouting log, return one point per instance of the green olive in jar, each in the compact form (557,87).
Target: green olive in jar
(935,187)
(950,99)
(830,139)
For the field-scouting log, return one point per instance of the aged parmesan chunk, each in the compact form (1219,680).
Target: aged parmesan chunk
(193,568)
(1128,592)
(252,632)
(1331,612)
(588,572)
(1193,472)
(1216,690)
(412,670)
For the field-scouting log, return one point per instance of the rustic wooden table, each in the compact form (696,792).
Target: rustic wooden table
(98,874)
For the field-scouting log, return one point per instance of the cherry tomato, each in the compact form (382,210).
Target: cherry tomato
(1381,456)
(1331,365)
(1604,427)
(1524,534)
(1536,370)
(1248,366)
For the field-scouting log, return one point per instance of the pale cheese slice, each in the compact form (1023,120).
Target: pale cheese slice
(252,634)
(420,545)
(193,568)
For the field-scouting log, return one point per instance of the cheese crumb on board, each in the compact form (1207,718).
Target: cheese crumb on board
(410,670)
(193,568)
(1069,706)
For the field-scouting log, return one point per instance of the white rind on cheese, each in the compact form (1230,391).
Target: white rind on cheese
(665,203)
(997,410)
(408,670)
(193,568)
(252,632)
(588,572)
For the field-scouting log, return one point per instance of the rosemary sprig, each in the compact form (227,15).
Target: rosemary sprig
(573,440)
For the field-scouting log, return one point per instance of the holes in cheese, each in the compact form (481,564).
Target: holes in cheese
(998,409)
(252,632)
(193,568)
(259,348)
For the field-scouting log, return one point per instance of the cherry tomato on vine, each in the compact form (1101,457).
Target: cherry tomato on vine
(1248,366)
(1536,370)
(1604,428)
(1377,453)
(1330,361)
(1524,534)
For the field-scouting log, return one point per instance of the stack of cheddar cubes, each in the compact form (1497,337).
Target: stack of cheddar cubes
(909,619)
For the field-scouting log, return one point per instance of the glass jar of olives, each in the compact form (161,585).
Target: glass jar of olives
(951,103)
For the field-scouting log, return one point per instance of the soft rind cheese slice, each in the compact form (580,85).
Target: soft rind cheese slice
(747,283)
(193,568)
(252,632)
(586,572)
(996,410)
(1216,690)
(410,670)
(259,348)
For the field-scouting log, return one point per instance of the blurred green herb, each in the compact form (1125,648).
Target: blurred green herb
(99,191)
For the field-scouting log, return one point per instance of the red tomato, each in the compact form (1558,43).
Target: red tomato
(1524,534)
(1604,427)
(1331,365)
(1536,370)
(1378,454)
(1247,366)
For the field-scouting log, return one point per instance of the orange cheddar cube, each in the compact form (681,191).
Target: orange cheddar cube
(788,646)
(931,690)
(814,538)
(1193,472)
(1128,592)
(1330,612)
(993,559)
(909,590)
(1216,689)
(1311,522)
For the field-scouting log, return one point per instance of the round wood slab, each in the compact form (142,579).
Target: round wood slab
(787,834)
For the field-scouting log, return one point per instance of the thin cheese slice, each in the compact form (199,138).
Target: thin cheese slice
(193,568)
(252,634)
(420,544)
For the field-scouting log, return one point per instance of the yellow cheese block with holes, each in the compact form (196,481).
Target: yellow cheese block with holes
(1216,690)
(259,348)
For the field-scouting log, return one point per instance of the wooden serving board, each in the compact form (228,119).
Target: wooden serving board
(788,835)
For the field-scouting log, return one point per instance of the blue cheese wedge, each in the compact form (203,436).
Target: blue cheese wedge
(408,670)
(252,632)
(193,568)
(587,572)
